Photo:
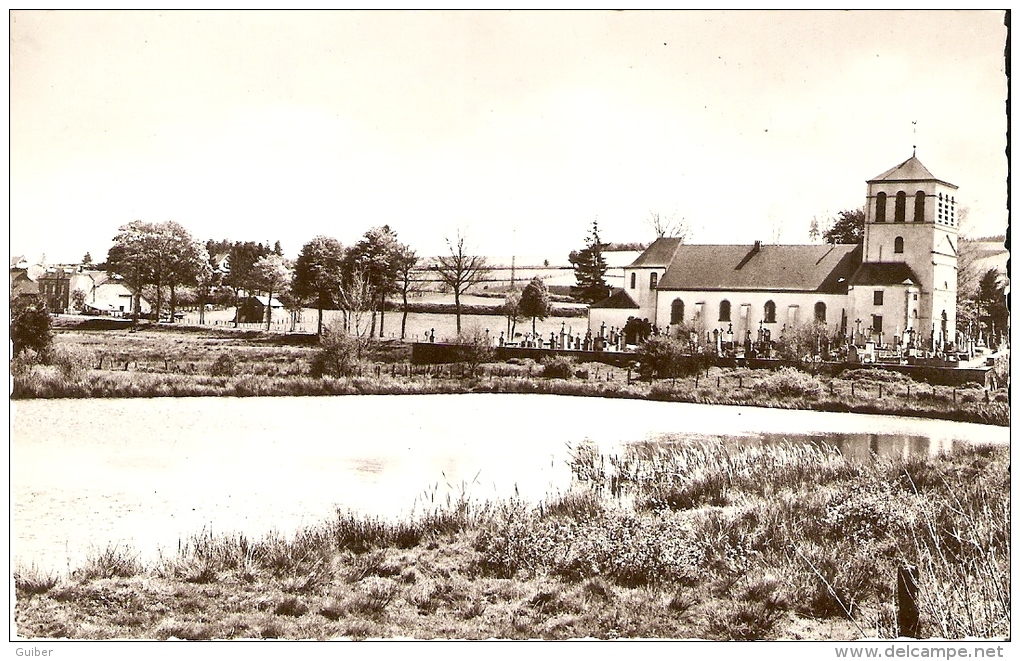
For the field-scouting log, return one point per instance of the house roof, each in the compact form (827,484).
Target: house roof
(818,268)
(660,253)
(22,283)
(618,300)
(264,300)
(883,274)
(909,170)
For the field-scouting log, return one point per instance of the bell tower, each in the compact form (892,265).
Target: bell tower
(911,227)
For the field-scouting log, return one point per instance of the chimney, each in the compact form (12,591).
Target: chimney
(757,247)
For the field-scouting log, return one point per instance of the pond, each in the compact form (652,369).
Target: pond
(150,472)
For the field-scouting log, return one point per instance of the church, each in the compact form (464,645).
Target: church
(896,288)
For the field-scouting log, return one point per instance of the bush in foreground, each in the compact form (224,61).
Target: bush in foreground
(558,368)
(30,325)
(339,354)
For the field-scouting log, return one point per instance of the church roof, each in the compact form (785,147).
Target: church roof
(817,268)
(909,170)
(618,300)
(660,253)
(884,274)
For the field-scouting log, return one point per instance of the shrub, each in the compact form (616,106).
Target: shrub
(339,354)
(23,362)
(660,356)
(225,365)
(475,348)
(863,512)
(30,325)
(790,382)
(558,368)
(802,343)
(72,361)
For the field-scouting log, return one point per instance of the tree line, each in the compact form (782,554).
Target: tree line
(163,260)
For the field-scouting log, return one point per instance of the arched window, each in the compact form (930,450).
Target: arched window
(676,312)
(945,323)
(898,244)
(820,312)
(880,208)
(724,310)
(770,312)
(653,280)
(901,207)
(633,280)
(919,207)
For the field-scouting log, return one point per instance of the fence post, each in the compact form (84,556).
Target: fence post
(907,614)
(852,393)
(740,382)
(954,395)
(880,391)
(628,376)
(696,380)
(718,381)
(908,391)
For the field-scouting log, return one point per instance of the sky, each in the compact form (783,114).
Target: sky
(516,129)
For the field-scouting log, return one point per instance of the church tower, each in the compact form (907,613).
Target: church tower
(910,254)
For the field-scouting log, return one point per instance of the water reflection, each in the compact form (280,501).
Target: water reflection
(854,446)
(255,465)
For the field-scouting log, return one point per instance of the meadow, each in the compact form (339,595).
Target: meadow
(675,541)
(164,361)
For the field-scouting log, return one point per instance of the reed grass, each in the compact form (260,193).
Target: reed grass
(662,541)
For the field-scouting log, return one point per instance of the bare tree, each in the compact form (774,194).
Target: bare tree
(459,271)
(357,300)
(670,225)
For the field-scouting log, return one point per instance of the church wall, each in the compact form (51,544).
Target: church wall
(642,292)
(896,310)
(747,309)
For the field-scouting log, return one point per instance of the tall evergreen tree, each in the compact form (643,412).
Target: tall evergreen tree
(590,268)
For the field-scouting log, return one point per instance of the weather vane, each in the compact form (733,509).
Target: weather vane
(915,136)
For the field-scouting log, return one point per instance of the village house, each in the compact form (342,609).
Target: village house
(898,287)
(100,293)
(252,309)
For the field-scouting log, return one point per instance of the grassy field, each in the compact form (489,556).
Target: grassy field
(666,541)
(434,313)
(162,361)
